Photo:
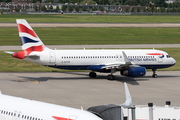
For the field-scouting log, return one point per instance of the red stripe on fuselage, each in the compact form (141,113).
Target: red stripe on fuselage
(61,118)
(154,53)
(24,29)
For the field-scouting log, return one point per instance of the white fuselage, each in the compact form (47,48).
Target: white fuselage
(82,59)
(14,108)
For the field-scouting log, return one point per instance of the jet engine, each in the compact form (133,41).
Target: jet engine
(134,72)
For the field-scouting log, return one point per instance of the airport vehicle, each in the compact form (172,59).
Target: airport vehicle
(15,108)
(130,63)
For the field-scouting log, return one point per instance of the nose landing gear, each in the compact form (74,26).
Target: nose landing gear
(154,73)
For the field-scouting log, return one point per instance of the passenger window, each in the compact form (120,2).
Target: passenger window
(22,116)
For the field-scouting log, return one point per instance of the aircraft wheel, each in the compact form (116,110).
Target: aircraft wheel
(154,76)
(111,77)
(92,74)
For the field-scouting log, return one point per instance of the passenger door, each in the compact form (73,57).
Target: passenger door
(52,57)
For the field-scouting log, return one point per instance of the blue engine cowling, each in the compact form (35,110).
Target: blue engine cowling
(134,72)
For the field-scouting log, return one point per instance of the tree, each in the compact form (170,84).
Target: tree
(70,8)
(162,9)
(43,8)
(144,10)
(138,9)
(114,2)
(88,2)
(36,8)
(51,7)
(77,9)
(57,8)
(132,9)
(178,9)
(155,9)
(173,10)
(170,5)
(127,9)
(63,8)
(152,8)
(95,8)
(167,10)
(131,2)
(159,3)
(84,9)
(101,9)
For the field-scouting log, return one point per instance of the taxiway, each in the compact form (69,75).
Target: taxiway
(76,89)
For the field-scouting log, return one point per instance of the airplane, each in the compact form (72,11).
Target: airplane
(16,108)
(130,63)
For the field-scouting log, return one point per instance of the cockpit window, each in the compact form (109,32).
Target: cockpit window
(168,56)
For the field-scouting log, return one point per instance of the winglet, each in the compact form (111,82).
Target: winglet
(126,60)
(128,97)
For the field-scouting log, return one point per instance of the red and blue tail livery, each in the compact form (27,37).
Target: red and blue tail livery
(29,40)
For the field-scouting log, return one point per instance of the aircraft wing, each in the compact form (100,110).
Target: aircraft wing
(120,65)
(117,65)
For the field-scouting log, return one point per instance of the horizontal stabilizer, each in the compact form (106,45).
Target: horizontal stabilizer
(9,52)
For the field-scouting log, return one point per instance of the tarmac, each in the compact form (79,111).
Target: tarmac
(76,89)
(98,46)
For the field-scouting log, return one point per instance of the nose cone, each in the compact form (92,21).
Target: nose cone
(173,61)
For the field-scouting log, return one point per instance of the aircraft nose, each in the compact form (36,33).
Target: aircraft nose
(173,61)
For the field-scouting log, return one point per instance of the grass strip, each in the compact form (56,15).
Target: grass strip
(93,19)
(96,36)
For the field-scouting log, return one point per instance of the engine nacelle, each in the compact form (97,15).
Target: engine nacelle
(134,72)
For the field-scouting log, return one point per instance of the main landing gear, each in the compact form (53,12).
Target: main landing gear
(92,74)
(111,77)
(154,73)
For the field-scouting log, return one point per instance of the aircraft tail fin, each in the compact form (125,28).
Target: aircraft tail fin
(29,40)
(128,97)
